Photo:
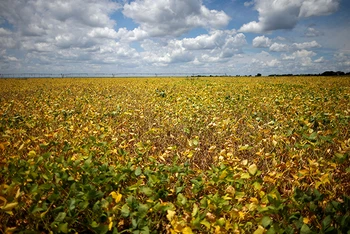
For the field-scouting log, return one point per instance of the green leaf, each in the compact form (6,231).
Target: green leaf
(244,147)
(60,217)
(138,171)
(145,230)
(347,170)
(305,229)
(142,210)
(181,199)
(71,204)
(326,222)
(205,223)
(179,189)
(266,221)
(125,211)
(63,227)
(195,210)
(147,191)
(271,231)
(94,224)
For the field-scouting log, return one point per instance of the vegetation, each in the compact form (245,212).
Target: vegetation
(208,155)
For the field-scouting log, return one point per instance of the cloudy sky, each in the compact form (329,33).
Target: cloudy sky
(235,37)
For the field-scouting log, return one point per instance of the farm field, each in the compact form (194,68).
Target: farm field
(175,155)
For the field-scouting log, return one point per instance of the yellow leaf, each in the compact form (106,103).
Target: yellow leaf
(110,225)
(325,179)
(253,169)
(187,230)
(18,193)
(9,206)
(217,230)
(116,196)
(10,230)
(195,210)
(274,142)
(170,214)
(3,199)
(260,230)
(254,200)
(31,153)
(205,223)
(223,175)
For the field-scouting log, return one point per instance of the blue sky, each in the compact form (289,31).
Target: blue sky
(235,37)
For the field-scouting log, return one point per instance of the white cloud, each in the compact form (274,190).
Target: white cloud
(4,32)
(278,47)
(306,45)
(7,42)
(320,60)
(285,14)
(103,33)
(136,34)
(261,42)
(216,46)
(60,31)
(157,54)
(248,4)
(81,35)
(343,59)
(273,63)
(12,59)
(50,19)
(312,32)
(280,38)
(173,17)
(205,41)
(303,53)
(318,7)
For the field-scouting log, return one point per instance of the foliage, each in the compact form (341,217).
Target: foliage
(212,155)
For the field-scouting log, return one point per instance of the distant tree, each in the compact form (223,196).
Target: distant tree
(332,73)
(258,74)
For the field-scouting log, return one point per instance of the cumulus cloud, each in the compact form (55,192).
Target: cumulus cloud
(173,17)
(4,32)
(273,63)
(103,33)
(247,4)
(312,32)
(303,53)
(215,46)
(285,14)
(47,31)
(306,45)
(43,26)
(299,54)
(343,58)
(261,42)
(162,55)
(320,60)
(215,39)
(278,47)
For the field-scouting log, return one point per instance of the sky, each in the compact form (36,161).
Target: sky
(235,37)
